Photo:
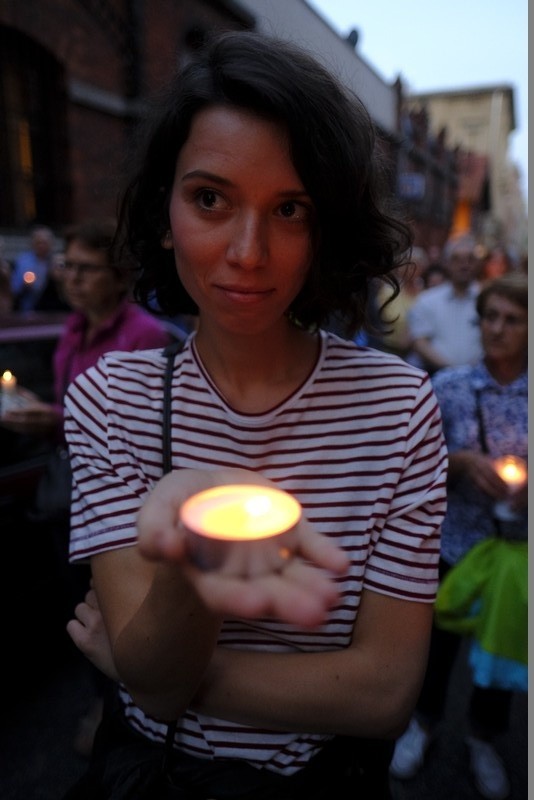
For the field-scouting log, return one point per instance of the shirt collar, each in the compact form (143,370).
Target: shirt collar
(78,320)
(482,380)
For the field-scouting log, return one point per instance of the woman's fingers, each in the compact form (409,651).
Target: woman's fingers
(299,594)
(89,634)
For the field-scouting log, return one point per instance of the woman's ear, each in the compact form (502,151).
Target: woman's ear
(166,241)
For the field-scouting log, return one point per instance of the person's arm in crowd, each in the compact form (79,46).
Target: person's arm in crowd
(428,353)
(35,417)
(478,468)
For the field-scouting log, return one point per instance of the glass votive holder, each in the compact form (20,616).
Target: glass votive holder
(513,471)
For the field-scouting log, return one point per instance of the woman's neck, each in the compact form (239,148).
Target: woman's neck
(95,320)
(505,372)
(256,373)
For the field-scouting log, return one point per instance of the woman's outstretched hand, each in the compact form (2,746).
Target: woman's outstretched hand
(299,589)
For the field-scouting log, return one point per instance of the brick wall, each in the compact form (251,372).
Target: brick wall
(110,65)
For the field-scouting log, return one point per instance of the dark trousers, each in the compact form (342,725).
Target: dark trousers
(489,709)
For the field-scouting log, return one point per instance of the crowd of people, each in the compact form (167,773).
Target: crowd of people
(484,408)
(258,235)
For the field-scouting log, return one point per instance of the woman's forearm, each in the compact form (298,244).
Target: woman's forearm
(331,693)
(368,689)
(161,644)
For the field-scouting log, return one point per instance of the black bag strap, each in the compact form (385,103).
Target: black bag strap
(480,419)
(483,439)
(169,352)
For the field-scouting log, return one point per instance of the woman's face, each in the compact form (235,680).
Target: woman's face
(90,285)
(504,330)
(241,221)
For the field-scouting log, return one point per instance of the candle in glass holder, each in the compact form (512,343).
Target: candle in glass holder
(8,391)
(513,471)
(240,529)
(8,382)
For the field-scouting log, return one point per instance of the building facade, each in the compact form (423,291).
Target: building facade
(478,122)
(78,75)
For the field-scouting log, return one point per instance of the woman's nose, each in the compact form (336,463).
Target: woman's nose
(248,245)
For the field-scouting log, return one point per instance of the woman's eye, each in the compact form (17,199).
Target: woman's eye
(295,211)
(207,198)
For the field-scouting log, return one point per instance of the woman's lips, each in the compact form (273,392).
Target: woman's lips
(245,295)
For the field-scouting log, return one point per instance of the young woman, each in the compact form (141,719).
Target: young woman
(258,205)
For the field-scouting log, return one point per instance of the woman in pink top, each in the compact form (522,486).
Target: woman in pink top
(103,319)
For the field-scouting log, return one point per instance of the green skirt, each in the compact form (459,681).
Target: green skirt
(485,596)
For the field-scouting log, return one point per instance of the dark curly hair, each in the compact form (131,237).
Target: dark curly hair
(334,149)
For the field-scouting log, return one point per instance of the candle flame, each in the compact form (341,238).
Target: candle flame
(257,506)
(240,512)
(512,469)
(8,376)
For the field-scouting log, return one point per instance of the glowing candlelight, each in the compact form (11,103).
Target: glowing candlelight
(29,278)
(240,528)
(513,471)
(240,512)
(8,383)
(8,392)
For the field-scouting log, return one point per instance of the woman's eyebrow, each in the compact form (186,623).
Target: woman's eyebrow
(214,178)
(205,175)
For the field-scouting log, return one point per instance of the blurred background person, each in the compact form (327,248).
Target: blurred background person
(33,281)
(485,415)
(443,320)
(497,262)
(6,293)
(398,339)
(103,318)
(434,275)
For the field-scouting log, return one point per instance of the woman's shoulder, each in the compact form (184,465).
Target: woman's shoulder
(125,367)
(144,323)
(376,363)
(464,375)
(432,296)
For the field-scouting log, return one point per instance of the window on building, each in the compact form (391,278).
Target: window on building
(33,134)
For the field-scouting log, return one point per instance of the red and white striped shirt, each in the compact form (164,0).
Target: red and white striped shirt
(359,444)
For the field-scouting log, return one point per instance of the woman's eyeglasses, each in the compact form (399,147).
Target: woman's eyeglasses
(82,267)
(509,320)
